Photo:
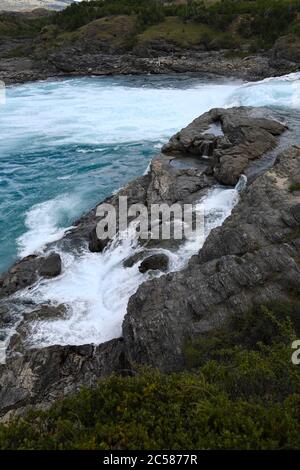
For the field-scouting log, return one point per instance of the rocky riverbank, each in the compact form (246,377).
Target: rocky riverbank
(85,41)
(73,63)
(252,258)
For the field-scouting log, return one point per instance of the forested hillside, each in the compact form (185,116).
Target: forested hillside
(249,25)
(27,5)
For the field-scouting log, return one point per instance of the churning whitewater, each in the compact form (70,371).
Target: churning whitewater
(96,287)
(83,139)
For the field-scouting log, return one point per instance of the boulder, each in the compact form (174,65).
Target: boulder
(245,135)
(27,271)
(23,274)
(155,262)
(50,266)
(135,258)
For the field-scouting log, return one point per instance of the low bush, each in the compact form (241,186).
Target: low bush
(240,391)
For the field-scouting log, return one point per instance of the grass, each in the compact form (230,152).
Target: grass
(115,31)
(173,29)
(18,27)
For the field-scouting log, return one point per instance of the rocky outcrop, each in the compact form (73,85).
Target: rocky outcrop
(50,266)
(222,142)
(252,258)
(96,245)
(27,271)
(286,49)
(22,274)
(113,45)
(229,139)
(41,376)
(155,262)
(71,61)
(25,69)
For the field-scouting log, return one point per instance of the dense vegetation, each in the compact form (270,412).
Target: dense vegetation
(265,20)
(249,23)
(240,391)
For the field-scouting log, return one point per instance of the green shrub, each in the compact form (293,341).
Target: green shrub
(241,392)
(157,411)
(78,14)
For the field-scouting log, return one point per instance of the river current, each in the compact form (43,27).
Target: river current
(67,144)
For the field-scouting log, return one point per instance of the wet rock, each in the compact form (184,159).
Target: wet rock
(47,312)
(132,260)
(251,259)
(170,244)
(23,274)
(155,262)
(170,185)
(295,210)
(95,244)
(246,136)
(102,58)
(50,266)
(21,339)
(5,316)
(27,271)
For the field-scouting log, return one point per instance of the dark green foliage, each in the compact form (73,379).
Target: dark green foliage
(294,187)
(241,392)
(18,26)
(266,326)
(256,24)
(260,21)
(266,19)
(78,14)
